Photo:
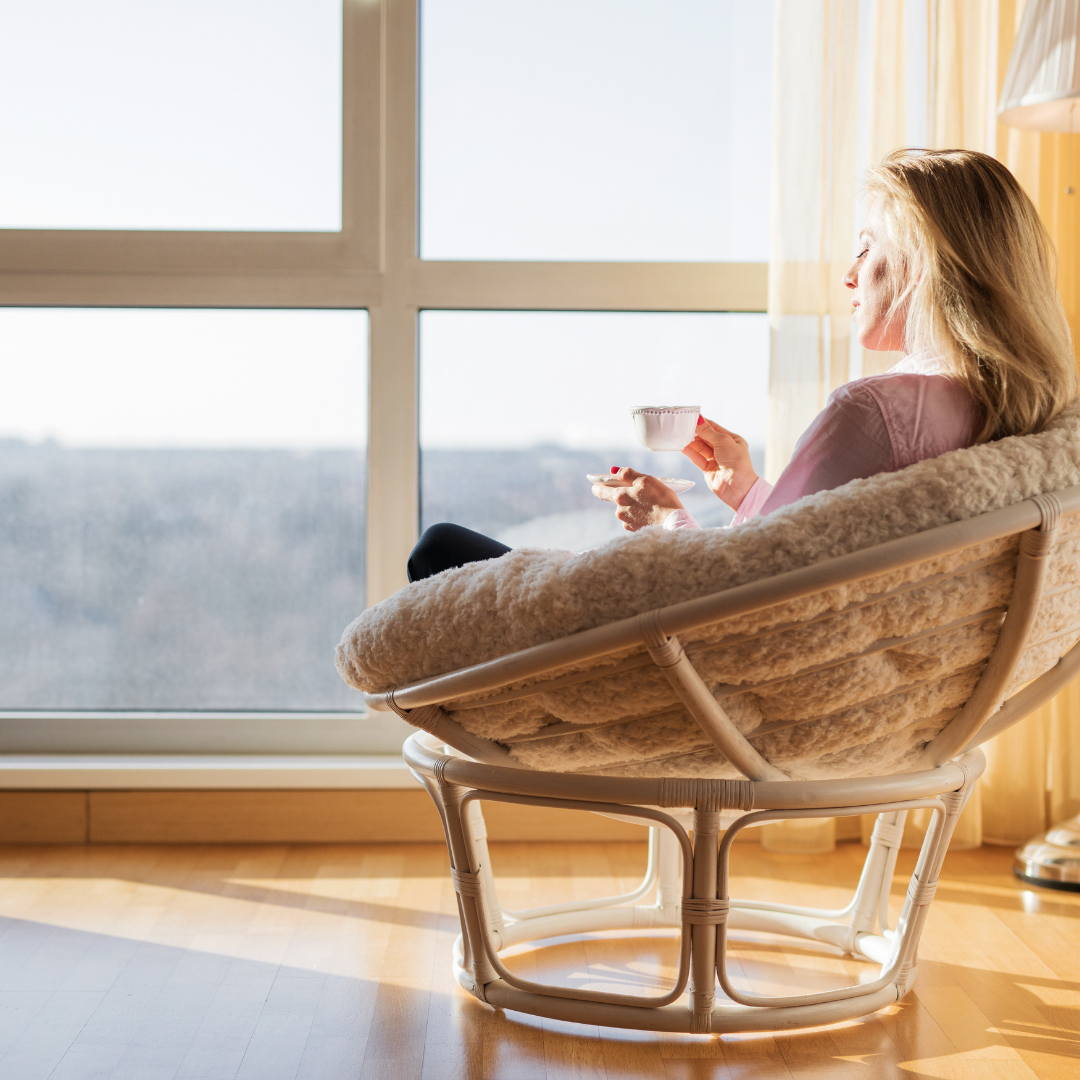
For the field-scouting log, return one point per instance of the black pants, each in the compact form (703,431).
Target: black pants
(444,546)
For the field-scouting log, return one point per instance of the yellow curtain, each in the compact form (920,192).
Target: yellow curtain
(929,73)
(1033,770)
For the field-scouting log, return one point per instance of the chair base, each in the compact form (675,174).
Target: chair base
(725,1018)
(688,883)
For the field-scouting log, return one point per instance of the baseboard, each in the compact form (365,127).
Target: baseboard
(329,816)
(270,817)
(43,817)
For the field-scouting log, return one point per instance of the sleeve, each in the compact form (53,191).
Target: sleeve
(681,519)
(753,501)
(848,440)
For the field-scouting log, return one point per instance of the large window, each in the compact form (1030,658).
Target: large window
(535,213)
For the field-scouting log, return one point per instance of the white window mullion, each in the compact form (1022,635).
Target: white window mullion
(393,444)
(393,448)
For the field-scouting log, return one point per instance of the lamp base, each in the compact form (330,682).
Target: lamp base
(1052,859)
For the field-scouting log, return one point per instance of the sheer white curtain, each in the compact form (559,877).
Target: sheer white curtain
(814,170)
(853,80)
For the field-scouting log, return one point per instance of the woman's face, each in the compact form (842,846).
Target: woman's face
(871,284)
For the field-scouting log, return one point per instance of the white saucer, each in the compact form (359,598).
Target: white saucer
(607,480)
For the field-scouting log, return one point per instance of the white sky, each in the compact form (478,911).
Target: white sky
(519,379)
(596,129)
(170,114)
(101,377)
(551,129)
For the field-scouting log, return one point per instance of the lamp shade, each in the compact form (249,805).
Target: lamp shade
(1042,84)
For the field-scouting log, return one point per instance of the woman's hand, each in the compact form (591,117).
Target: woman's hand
(643,501)
(724,458)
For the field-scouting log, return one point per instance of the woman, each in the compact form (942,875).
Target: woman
(955,270)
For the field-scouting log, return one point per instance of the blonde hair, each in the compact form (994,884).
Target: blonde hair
(974,270)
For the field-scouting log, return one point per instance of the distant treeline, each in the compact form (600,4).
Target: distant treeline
(222,579)
(177,579)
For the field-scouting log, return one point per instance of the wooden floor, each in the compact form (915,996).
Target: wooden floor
(147,963)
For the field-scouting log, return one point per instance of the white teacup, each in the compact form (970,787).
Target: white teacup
(665,427)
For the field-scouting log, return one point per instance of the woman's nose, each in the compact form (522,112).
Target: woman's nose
(851,278)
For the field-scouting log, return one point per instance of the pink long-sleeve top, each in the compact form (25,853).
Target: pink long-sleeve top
(878,424)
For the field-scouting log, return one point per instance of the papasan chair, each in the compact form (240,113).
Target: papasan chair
(845,655)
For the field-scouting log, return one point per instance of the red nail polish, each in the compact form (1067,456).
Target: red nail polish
(700,420)
(614,469)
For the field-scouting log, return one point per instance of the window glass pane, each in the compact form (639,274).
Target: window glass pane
(171,114)
(516,407)
(595,129)
(181,507)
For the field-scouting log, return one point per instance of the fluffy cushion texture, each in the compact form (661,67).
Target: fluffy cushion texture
(819,691)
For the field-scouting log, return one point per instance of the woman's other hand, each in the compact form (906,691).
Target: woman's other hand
(643,500)
(724,458)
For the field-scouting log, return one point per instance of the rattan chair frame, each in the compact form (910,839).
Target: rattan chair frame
(690,878)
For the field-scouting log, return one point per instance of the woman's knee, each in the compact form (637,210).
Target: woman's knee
(446,545)
(442,533)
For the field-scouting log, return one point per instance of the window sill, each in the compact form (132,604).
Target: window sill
(200,735)
(88,772)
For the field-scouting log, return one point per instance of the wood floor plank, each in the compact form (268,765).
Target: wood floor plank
(454,1040)
(995,987)
(396,1036)
(219,1044)
(46,1040)
(866,1044)
(93,1061)
(630,1053)
(746,1057)
(17,1012)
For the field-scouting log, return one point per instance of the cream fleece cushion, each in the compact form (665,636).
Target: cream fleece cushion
(922,646)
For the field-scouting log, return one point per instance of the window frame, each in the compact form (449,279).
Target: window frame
(372,263)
